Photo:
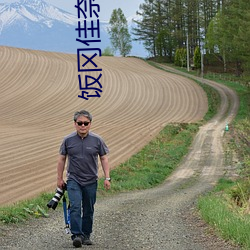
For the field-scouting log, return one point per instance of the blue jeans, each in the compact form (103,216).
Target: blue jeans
(82,200)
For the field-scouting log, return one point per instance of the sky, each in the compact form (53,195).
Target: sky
(129,7)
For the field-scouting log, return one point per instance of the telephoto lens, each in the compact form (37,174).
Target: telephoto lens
(54,201)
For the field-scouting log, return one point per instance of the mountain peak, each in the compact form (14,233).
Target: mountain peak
(35,4)
(33,11)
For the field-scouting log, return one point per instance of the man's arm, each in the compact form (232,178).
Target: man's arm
(60,169)
(105,167)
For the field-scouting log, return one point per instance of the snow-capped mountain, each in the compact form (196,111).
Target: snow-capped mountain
(33,11)
(36,24)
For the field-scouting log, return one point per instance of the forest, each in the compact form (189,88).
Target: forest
(217,31)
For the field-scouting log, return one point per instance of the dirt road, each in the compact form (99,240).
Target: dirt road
(160,218)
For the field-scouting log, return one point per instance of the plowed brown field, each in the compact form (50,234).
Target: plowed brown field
(39,94)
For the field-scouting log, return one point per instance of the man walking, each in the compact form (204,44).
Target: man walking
(82,149)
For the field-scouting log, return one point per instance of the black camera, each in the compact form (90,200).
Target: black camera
(54,201)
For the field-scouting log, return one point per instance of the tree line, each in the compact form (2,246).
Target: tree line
(216,28)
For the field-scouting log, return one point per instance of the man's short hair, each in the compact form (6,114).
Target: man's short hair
(82,113)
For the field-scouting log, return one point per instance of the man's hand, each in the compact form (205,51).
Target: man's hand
(105,167)
(106,184)
(60,183)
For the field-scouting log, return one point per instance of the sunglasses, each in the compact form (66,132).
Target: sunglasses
(83,123)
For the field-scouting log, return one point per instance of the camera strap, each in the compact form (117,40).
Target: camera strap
(66,212)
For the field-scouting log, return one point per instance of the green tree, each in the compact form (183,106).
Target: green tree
(228,35)
(166,24)
(177,58)
(119,34)
(240,10)
(154,28)
(216,39)
(107,52)
(181,57)
(197,58)
(146,26)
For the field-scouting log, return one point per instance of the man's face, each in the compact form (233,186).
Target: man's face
(82,125)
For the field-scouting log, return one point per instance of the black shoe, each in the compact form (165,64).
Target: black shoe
(86,240)
(77,241)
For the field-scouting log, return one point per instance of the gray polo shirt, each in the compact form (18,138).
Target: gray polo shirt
(83,156)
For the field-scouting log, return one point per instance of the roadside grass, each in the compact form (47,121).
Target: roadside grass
(217,210)
(155,161)
(24,210)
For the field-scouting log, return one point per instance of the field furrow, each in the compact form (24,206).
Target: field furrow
(39,94)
